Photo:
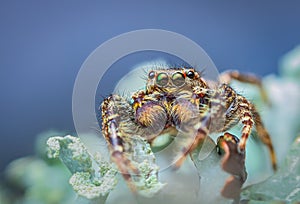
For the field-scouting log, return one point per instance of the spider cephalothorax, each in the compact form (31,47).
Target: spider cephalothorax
(179,100)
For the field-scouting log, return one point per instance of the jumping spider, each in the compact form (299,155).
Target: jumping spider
(179,100)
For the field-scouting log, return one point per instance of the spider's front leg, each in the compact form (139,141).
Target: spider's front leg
(192,119)
(122,121)
(227,76)
(238,108)
(117,128)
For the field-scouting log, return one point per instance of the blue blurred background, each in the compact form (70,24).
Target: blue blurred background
(44,43)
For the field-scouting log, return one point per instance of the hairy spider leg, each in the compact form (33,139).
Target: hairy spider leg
(227,76)
(263,134)
(223,109)
(191,116)
(194,140)
(240,109)
(117,127)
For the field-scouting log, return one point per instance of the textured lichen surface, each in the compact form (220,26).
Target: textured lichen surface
(147,182)
(71,152)
(90,179)
(94,178)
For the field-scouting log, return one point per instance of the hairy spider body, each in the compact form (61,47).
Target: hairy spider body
(180,100)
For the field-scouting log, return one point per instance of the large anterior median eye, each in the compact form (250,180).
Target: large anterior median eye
(162,79)
(178,79)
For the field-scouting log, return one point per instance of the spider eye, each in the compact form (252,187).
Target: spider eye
(151,75)
(162,79)
(190,74)
(178,79)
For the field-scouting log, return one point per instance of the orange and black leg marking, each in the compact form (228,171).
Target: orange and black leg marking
(238,108)
(235,108)
(264,136)
(228,76)
(193,142)
(191,118)
(116,117)
(249,117)
(247,120)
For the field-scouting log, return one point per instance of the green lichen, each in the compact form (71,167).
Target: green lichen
(71,152)
(147,183)
(142,157)
(91,179)
(85,186)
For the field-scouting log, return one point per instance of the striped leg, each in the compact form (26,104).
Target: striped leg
(246,119)
(116,127)
(228,76)
(242,109)
(192,125)
(264,136)
(193,142)
(249,118)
